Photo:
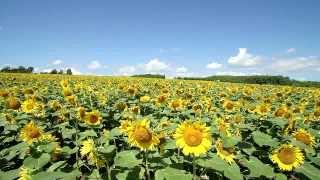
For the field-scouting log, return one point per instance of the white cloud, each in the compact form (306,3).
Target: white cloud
(213,65)
(95,65)
(155,66)
(57,62)
(291,50)
(181,69)
(244,59)
(296,64)
(127,70)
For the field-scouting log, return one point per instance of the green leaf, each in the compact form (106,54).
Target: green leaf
(114,133)
(233,172)
(309,171)
(170,144)
(230,141)
(87,133)
(107,150)
(37,163)
(9,175)
(263,139)
(280,176)
(127,159)
(95,174)
(169,173)
(214,162)
(56,165)
(257,168)
(131,174)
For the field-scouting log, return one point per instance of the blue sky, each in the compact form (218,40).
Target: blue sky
(178,38)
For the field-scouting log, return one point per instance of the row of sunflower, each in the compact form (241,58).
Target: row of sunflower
(82,127)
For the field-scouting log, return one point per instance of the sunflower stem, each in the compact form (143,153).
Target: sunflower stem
(147,168)
(194,168)
(108,171)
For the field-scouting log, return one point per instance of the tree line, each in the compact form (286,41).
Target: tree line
(22,69)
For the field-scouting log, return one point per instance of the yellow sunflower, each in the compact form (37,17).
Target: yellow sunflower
(287,157)
(229,105)
(193,138)
(145,99)
(81,113)
(305,137)
(88,150)
(224,127)
(93,117)
(141,136)
(31,133)
(176,104)
(226,154)
(30,106)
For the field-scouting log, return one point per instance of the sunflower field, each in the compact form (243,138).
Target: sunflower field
(85,127)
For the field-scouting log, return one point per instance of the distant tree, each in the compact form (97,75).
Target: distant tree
(6,69)
(30,69)
(54,71)
(69,72)
(60,72)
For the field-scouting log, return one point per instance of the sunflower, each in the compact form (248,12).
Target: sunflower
(141,136)
(30,106)
(125,126)
(31,133)
(193,138)
(93,117)
(4,93)
(262,109)
(287,157)
(161,99)
(88,150)
(305,137)
(25,173)
(224,153)
(81,113)
(13,103)
(224,127)
(229,105)
(281,111)
(176,104)
(9,119)
(145,99)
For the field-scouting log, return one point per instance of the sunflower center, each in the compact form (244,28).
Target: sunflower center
(175,104)
(30,106)
(229,105)
(287,156)
(302,137)
(93,118)
(143,135)
(193,137)
(33,133)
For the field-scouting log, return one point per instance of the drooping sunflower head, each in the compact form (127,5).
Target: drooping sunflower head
(4,93)
(227,154)
(287,157)
(305,137)
(31,133)
(9,118)
(141,135)
(93,117)
(161,98)
(193,138)
(55,105)
(13,103)
(81,113)
(281,111)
